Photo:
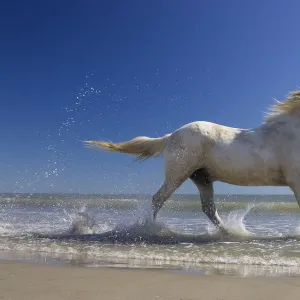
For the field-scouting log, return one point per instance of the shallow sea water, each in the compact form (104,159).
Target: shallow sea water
(264,237)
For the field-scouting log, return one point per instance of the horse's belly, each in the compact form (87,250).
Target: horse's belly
(250,178)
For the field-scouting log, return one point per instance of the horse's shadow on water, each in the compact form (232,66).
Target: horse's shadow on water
(116,238)
(131,235)
(159,235)
(127,238)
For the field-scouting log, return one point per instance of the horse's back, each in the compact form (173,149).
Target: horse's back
(193,141)
(210,130)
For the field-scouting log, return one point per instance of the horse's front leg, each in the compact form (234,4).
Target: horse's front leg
(205,187)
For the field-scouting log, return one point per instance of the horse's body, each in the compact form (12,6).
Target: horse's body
(205,152)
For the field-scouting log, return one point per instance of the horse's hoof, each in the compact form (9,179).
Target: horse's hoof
(224,232)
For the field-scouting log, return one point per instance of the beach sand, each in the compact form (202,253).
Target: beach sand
(36,281)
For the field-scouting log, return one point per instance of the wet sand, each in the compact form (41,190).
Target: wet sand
(20,281)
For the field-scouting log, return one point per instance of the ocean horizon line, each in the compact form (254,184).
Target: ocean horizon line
(140,194)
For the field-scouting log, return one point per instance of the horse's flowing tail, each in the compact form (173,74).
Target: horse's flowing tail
(143,147)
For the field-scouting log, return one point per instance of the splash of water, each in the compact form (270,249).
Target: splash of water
(234,224)
(296,231)
(83,223)
(144,227)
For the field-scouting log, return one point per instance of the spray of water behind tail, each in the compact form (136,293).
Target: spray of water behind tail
(83,223)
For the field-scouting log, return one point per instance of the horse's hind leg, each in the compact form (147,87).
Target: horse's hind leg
(172,182)
(205,186)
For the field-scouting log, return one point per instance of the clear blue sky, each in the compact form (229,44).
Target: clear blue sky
(76,70)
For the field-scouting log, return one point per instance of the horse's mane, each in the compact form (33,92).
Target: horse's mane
(289,106)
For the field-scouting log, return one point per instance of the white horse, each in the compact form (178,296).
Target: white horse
(268,155)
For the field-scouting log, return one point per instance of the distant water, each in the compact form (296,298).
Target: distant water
(113,230)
